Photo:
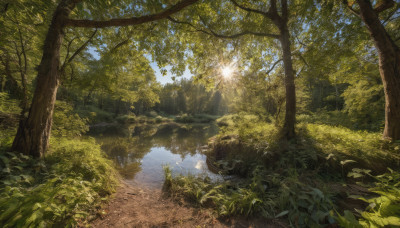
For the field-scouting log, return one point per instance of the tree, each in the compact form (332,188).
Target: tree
(33,134)
(389,59)
(278,15)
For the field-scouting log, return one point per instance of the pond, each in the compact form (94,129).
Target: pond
(141,151)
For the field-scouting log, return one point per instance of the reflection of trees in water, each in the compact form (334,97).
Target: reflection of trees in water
(183,139)
(128,151)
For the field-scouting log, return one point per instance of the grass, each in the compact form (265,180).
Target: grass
(367,149)
(64,189)
(335,145)
(291,179)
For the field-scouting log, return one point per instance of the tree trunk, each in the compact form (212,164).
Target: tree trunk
(33,133)
(290,115)
(389,68)
(281,22)
(10,84)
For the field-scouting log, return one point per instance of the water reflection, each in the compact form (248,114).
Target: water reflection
(141,150)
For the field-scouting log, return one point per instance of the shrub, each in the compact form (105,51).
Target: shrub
(94,114)
(159,119)
(152,114)
(126,119)
(64,189)
(66,122)
(198,118)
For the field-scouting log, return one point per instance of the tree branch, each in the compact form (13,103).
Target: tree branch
(384,5)
(273,66)
(78,51)
(224,36)
(68,49)
(130,21)
(350,7)
(248,9)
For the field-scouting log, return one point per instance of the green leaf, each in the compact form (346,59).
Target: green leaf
(283,213)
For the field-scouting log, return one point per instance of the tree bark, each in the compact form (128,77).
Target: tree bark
(389,68)
(33,133)
(288,131)
(290,114)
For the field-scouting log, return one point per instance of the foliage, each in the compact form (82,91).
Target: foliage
(66,123)
(227,198)
(384,209)
(268,194)
(9,111)
(198,118)
(305,205)
(63,190)
(364,103)
(8,105)
(126,119)
(248,127)
(187,96)
(94,114)
(340,143)
(332,118)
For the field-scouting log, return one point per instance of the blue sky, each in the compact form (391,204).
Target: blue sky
(168,78)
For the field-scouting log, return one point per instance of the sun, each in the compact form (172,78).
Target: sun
(227,71)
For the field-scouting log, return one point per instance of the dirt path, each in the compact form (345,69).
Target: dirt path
(142,207)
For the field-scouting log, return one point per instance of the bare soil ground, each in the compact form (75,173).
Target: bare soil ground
(134,206)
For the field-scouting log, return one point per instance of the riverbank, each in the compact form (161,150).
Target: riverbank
(135,206)
(327,176)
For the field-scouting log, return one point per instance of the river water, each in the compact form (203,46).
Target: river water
(141,151)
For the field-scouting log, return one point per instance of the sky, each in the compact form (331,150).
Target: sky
(168,78)
(160,78)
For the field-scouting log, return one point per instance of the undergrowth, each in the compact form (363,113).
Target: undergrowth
(383,209)
(286,179)
(197,118)
(64,189)
(267,194)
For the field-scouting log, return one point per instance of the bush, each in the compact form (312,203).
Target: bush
(126,119)
(198,118)
(66,123)
(152,114)
(94,114)
(159,119)
(64,189)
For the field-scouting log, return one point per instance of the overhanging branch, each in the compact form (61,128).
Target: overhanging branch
(248,9)
(130,21)
(224,36)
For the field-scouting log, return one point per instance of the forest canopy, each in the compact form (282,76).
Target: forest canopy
(278,74)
